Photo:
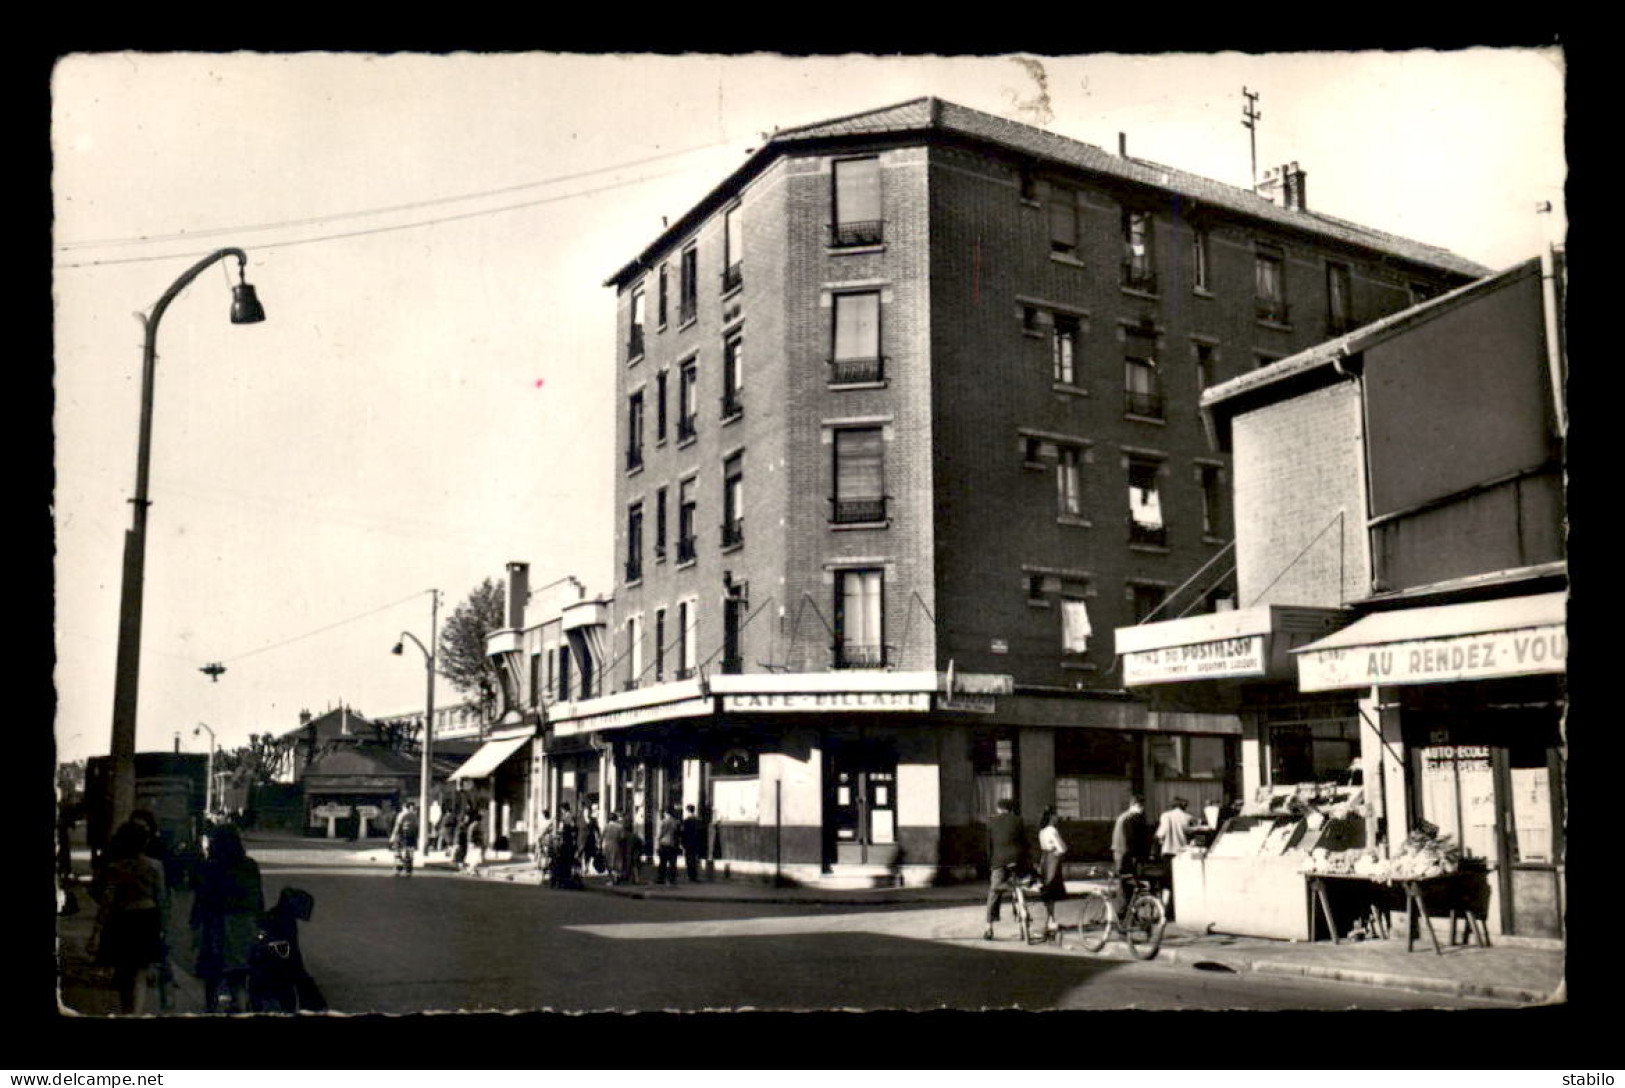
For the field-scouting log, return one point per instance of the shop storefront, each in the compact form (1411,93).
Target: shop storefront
(496,783)
(1471,698)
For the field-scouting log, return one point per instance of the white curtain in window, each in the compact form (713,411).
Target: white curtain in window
(860,608)
(857,326)
(1075,629)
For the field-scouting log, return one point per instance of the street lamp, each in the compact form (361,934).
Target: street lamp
(245,310)
(425,775)
(208,789)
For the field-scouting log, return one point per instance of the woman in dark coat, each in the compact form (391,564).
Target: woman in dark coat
(225,915)
(129,924)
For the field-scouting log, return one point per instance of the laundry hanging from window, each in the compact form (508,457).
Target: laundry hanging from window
(1075,629)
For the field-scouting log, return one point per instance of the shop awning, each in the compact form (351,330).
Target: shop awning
(1518,636)
(1235,645)
(491,755)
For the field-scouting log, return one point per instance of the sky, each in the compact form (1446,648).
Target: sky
(431,394)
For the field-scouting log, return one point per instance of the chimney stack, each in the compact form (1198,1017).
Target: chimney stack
(1122,145)
(1284,185)
(518,591)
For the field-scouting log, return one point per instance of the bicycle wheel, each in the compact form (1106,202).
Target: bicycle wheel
(1024,917)
(1144,925)
(1093,920)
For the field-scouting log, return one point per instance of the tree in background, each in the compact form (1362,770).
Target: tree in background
(461,655)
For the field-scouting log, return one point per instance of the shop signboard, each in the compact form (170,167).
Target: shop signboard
(1525,652)
(794,701)
(1229,657)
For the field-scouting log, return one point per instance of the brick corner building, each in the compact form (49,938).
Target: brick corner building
(908,425)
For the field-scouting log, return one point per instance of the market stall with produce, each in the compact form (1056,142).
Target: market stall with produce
(1250,880)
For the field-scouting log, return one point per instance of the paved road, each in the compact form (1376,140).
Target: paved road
(379,943)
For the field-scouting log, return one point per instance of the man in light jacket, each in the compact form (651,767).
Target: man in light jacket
(1173,835)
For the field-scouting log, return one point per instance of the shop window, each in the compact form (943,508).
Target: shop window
(1095,772)
(1194,768)
(735,788)
(1322,750)
(993,763)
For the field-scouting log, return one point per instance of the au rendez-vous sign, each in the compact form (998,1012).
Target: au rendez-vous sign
(1199,661)
(1464,657)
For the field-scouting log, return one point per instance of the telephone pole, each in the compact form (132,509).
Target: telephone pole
(1250,117)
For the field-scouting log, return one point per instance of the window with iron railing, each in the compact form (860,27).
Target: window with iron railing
(634,458)
(733,248)
(1140,532)
(733,375)
(1274,310)
(1138,277)
(855,341)
(634,341)
(859,623)
(870,232)
(857,219)
(857,511)
(733,532)
(1139,273)
(687,427)
(731,405)
(1145,522)
(685,549)
(857,371)
(860,655)
(1138,403)
(733,276)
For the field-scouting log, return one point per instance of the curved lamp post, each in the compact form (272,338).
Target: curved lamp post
(208,789)
(245,310)
(425,775)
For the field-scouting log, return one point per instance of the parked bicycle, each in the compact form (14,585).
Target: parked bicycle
(1091,916)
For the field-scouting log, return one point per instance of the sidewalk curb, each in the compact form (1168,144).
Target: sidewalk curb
(1382,979)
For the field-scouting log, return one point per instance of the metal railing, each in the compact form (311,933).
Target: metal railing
(857,511)
(685,548)
(852,371)
(731,405)
(686,428)
(860,655)
(733,276)
(1142,404)
(1272,309)
(733,532)
(1138,276)
(865,232)
(1141,533)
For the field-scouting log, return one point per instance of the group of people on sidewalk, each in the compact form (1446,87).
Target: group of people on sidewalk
(568,848)
(1134,844)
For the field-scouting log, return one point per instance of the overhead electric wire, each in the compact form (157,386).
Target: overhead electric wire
(381,230)
(322,630)
(211,232)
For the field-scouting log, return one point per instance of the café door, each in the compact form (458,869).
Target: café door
(860,806)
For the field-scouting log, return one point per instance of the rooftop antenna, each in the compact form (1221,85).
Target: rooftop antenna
(1250,119)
